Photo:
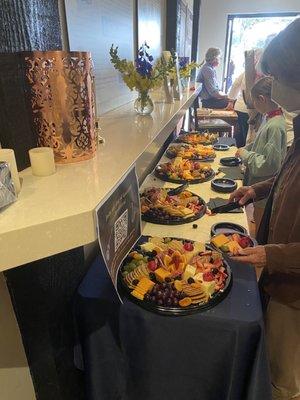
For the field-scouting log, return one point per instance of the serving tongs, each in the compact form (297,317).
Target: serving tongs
(178,190)
(229,207)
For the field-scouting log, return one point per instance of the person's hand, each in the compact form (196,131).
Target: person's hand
(229,106)
(243,194)
(255,256)
(238,153)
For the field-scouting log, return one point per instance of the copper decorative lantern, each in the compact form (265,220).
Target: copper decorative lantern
(61,94)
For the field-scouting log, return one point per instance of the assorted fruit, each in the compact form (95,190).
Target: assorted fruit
(192,151)
(205,138)
(172,273)
(183,170)
(231,243)
(158,205)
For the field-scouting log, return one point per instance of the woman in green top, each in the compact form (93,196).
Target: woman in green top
(263,157)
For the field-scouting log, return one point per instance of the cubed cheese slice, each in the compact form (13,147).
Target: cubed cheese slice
(177,161)
(148,246)
(220,240)
(233,247)
(186,211)
(189,272)
(209,288)
(144,285)
(137,294)
(198,277)
(198,248)
(161,274)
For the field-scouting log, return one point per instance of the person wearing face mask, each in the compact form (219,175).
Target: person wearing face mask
(210,95)
(278,236)
(263,157)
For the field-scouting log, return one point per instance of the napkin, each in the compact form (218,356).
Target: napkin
(218,201)
(7,190)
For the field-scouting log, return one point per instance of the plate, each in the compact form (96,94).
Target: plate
(152,304)
(221,147)
(172,219)
(223,185)
(204,138)
(186,147)
(251,242)
(230,161)
(159,173)
(227,227)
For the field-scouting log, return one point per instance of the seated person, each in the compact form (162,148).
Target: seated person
(210,94)
(263,157)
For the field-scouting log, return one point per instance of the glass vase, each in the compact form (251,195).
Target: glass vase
(143,105)
(185,81)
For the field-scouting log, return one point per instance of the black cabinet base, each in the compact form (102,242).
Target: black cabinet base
(42,293)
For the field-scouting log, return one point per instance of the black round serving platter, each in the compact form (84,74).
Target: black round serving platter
(176,311)
(171,155)
(227,227)
(223,185)
(181,139)
(230,161)
(177,220)
(221,147)
(166,178)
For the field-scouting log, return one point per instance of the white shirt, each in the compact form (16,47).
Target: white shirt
(236,93)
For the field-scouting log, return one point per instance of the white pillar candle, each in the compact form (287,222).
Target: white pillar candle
(8,155)
(42,161)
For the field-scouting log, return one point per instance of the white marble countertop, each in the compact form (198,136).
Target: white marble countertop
(56,213)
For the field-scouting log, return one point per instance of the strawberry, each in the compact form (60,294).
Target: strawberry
(152,265)
(188,246)
(244,242)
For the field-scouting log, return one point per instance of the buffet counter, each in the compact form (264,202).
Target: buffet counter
(56,213)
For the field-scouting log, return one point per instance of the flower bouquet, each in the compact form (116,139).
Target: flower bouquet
(185,69)
(141,75)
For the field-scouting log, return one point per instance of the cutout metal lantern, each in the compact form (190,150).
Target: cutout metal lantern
(61,94)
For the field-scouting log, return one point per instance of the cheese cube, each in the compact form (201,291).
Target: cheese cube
(209,288)
(161,274)
(198,276)
(137,294)
(219,240)
(189,272)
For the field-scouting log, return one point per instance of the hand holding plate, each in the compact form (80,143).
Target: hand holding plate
(255,256)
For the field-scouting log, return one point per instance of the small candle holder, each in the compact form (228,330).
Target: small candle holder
(42,161)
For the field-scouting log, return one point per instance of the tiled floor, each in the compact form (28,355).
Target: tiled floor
(15,379)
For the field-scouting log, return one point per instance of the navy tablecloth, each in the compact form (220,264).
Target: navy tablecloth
(130,353)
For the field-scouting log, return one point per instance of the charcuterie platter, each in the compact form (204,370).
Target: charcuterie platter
(173,276)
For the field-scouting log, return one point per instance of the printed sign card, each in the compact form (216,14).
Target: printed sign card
(119,222)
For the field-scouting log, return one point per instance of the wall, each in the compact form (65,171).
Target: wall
(151,25)
(93,25)
(213,19)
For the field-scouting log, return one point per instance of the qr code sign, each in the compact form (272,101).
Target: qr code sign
(121,229)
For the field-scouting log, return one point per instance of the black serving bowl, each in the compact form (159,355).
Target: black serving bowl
(221,147)
(227,227)
(223,185)
(230,161)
